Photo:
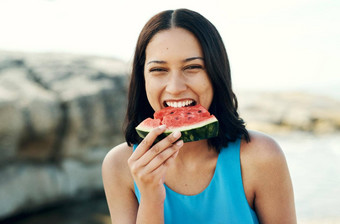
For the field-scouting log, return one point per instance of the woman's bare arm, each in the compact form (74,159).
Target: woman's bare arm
(118,185)
(267,168)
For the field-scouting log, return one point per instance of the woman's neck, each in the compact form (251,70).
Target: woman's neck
(196,153)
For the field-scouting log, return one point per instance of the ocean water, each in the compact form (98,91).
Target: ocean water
(314,163)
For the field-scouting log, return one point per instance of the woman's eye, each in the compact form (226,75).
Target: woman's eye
(157,70)
(193,67)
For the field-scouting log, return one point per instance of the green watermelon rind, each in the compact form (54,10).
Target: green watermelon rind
(201,130)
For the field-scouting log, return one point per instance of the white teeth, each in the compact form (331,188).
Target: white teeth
(180,103)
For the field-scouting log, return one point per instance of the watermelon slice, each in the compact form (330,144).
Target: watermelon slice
(194,122)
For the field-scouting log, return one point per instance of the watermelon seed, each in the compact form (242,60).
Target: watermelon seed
(172,112)
(199,111)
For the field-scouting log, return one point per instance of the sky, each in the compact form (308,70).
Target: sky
(272,45)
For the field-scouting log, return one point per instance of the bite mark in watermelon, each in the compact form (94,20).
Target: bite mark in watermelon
(194,122)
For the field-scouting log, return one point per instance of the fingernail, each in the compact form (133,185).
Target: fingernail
(176,134)
(179,143)
(162,127)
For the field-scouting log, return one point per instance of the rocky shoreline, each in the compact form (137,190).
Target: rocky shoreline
(61,113)
(283,112)
(59,116)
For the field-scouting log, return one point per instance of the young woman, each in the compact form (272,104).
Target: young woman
(241,176)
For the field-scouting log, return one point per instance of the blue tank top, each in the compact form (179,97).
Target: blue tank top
(223,201)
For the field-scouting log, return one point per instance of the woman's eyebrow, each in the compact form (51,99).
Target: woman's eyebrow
(193,58)
(156,61)
(185,60)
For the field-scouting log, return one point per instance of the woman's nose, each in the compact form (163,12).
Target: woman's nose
(176,83)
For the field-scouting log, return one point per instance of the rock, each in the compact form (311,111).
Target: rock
(33,115)
(59,116)
(11,124)
(287,111)
(93,95)
(28,186)
(95,110)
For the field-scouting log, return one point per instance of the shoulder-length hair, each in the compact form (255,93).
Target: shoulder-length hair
(224,104)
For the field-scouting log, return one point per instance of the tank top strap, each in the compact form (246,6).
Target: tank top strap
(230,157)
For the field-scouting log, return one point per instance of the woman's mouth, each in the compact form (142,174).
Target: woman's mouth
(179,103)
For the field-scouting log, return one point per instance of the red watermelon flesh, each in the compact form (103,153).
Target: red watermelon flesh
(178,117)
(197,111)
(152,123)
(194,122)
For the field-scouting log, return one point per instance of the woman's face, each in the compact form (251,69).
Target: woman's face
(174,71)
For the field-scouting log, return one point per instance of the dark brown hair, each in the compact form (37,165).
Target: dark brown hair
(224,104)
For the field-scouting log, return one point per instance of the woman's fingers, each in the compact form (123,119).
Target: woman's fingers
(163,157)
(147,142)
(147,163)
(146,158)
(158,148)
(155,170)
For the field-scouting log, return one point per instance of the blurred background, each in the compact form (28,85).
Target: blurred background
(64,68)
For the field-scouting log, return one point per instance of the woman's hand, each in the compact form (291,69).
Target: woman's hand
(149,163)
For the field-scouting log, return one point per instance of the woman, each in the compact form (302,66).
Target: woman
(240,176)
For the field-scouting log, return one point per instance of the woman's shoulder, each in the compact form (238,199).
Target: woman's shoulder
(115,163)
(118,152)
(266,179)
(262,156)
(261,148)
